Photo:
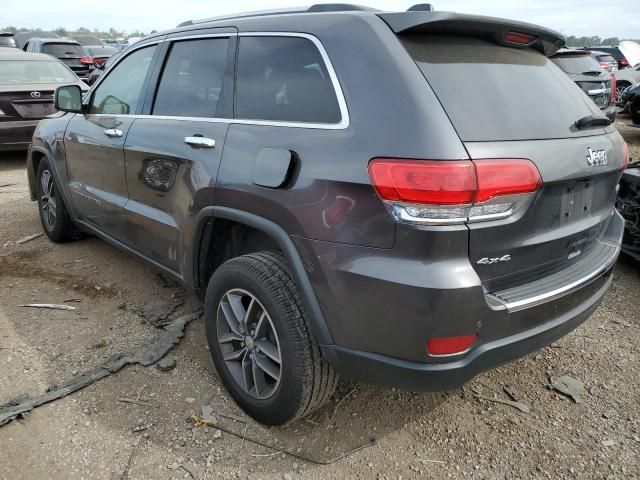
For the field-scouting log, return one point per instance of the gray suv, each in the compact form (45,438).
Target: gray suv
(403,199)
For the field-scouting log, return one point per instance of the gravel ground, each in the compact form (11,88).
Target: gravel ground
(92,434)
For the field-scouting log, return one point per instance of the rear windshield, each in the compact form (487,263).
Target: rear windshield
(62,50)
(606,58)
(577,64)
(15,72)
(7,42)
(493,93)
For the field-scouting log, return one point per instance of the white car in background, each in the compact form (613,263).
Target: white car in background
(628,76)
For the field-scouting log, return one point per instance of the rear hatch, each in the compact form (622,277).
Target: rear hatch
(26,102)
(588,75)
(70,54)
(514,103)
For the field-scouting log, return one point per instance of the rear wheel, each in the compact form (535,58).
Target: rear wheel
(620,87)
(54,216)
(261,342)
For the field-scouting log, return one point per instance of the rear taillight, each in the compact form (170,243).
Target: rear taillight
(453,192)
(613,88)
(99,61)
(625,156)
(86,60)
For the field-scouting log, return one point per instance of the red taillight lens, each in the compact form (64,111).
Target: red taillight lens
(450,345)
(99,61)
(519,38)
(86,60)
(505,177)
(431,182)
(613,88)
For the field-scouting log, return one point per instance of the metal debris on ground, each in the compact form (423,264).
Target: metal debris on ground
(50,306)
(28,238)
(208,416)
(147,355)
(157,312)
(517,405)
(511,392)
(569,386)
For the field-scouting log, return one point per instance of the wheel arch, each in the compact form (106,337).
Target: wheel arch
(35,156)
(203,234)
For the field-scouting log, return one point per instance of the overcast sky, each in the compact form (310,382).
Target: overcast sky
(606,18)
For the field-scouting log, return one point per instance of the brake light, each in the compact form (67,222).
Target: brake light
(451,192)
(450,345)
(86,60)
(613,88)
(99,61)
(519,38)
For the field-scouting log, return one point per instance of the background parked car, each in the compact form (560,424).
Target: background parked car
(605,60)
(101,67)
(88,40)
(27,83)
(594,80)
(615,52)
(6,40)
(22,38)
(68,51)
(100,54)
(630,102)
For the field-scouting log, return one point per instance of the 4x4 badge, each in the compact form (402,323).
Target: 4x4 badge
(492,260)
(597,158)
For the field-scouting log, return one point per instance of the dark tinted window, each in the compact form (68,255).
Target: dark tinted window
(62,50)
(578,64)
(491,92)
(192,79)
(284,79)
(120,93)
(606,58)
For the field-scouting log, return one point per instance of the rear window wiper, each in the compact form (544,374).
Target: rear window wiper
(592,121)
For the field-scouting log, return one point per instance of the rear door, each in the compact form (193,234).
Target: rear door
(172,153)
(94,143)
(509,103)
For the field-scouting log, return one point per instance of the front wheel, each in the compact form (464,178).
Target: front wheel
(54,216)
(261,342)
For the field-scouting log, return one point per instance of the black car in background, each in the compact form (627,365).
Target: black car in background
(605,60)
(594,80)
(614,52)
(6,40)
(68,51)
(22,38)
(27,83)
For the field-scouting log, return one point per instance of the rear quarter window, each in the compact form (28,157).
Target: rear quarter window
(494,93)
(284,79)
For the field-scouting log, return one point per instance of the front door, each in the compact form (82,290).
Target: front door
(172,154)
(94,144)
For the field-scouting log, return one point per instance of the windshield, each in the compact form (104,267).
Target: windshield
(494,93)
(61,50)
(30,71)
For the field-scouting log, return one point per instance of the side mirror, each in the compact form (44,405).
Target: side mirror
(68,98)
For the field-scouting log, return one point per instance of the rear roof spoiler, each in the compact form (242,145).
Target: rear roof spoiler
(546,41)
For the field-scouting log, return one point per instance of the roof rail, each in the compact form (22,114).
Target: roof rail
(318,8)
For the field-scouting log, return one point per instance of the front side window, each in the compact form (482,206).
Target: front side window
(192,79)
(284,79)
(121,91)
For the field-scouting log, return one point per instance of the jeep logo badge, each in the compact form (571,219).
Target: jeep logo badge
(35,94)
(597,158)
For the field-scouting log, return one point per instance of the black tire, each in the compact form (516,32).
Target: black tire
(634,111)
(306,380)
(54,216)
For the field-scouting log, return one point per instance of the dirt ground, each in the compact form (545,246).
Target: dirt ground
(93,434)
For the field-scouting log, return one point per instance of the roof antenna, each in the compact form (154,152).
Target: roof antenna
(421,7)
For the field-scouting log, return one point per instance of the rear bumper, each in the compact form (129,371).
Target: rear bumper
(382,308)
(367,367)
(16,135)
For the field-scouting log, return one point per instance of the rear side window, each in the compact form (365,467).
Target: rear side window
(284,79)
(493,93)
(62,50)
(192,79)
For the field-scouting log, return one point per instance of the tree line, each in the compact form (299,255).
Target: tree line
(112,33)
(595,41)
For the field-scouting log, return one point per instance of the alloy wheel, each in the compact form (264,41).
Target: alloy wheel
(48,202)
(249,343)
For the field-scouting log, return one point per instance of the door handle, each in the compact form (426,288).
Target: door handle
(200,142)
(113,132)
